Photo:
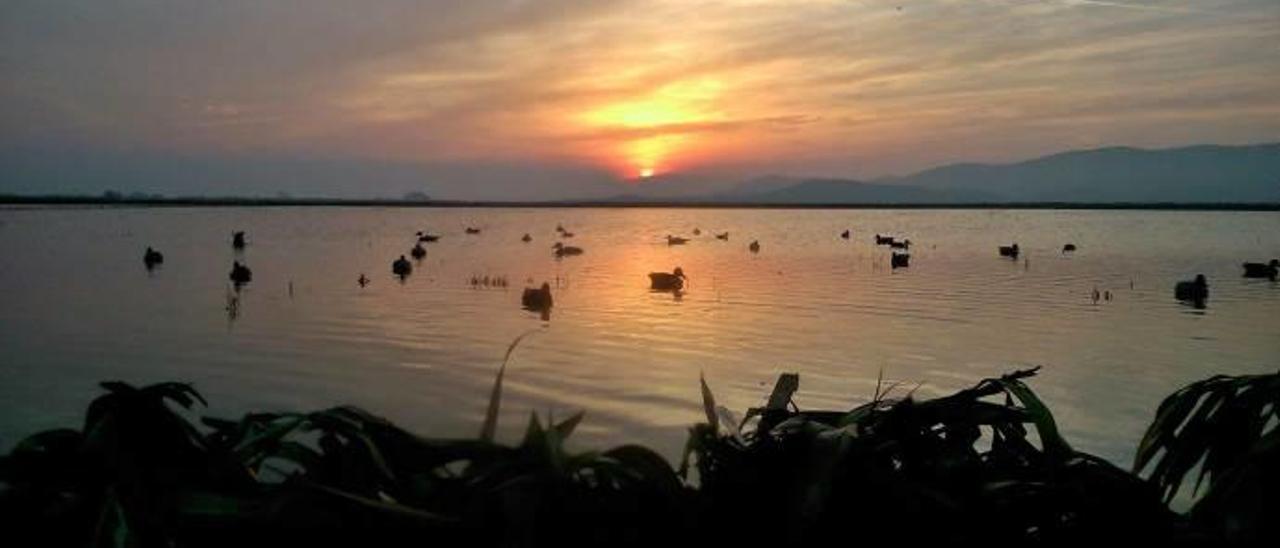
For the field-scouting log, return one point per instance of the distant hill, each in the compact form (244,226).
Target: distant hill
(1196,174)
(843,191)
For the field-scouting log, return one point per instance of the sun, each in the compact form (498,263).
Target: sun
(646,173)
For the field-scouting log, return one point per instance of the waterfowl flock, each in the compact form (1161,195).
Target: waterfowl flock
(1195,291)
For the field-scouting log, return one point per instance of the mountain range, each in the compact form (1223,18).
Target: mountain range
(1195,174)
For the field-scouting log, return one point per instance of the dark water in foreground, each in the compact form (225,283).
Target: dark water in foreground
(79,307)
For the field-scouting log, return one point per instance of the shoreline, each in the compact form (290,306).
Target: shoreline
(93,201)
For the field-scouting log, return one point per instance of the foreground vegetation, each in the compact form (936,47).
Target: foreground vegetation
(984,464)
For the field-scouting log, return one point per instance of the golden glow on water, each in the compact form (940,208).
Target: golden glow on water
(424,352)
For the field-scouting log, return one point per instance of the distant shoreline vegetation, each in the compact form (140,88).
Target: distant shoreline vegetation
(152,200)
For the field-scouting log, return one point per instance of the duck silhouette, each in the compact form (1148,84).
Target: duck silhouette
(472,230)
(566,250)
(667,281)
(697,231)
(676,240)
(418,251)
(527,238)
(884,240)
(1257,270)
(845,234)
(900,260)
(755,246)
(538,300)
(723,236)
(237,240)
(1068,248)
(401,267)
(904,244)
(1195,291)
(151,258)
(240,274)
(1010,251)
(425,237)
(363,280)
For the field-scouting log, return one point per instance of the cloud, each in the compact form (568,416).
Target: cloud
(821,86)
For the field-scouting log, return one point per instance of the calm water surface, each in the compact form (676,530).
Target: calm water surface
(79,307)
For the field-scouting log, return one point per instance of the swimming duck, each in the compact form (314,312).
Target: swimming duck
(237,240)
(527,238)
(1195,291)
(724,236)
(401,267)
(697,232)
(240,274)
(1010,251)
(425,237)
(1068,248)
(473,230)
(676,240)
(566,250)
(418,251)
(904,244)
(559,228)
(537,299)
(1258,270)
(755,246)
(900,260)
(884,240)
(667,281)
(363,280)
(151,258)
(845,234)
(566,234)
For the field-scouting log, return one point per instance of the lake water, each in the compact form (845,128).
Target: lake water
(78,307)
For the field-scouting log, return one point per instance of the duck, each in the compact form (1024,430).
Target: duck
(697,231)
(1258,270)
(363,280)
(537,299)
(425,237)
(566,234)
(723,236)
(904,244)
(667,281)
(151,258)
(566,250)
(240,274)
(845,234)
(237,240)
(1068,248)
(527,238)
(418,251)
(1196,290)
(559,228)
(884,240)
(401,267)
(472,230)
(755,246)
(1010,251)
(900,260)
(676,240)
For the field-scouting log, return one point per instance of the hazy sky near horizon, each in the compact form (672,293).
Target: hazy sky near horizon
(583,92)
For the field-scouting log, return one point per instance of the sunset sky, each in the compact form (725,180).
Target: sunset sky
(527,98)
